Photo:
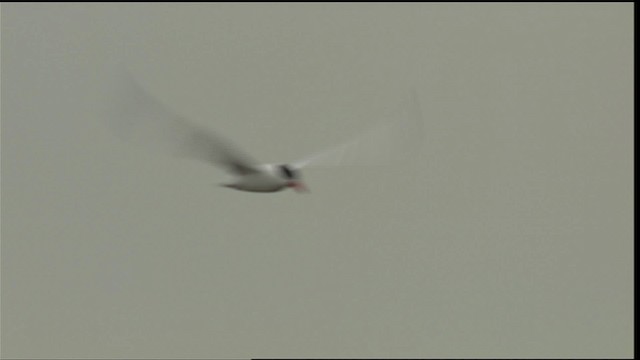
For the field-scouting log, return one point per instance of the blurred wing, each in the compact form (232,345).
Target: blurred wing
(329,157)
(138,117)
(385,144)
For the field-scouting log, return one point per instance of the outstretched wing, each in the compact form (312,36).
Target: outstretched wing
(137,116)
(384,144)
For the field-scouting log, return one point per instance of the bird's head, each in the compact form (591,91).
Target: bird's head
(293,178)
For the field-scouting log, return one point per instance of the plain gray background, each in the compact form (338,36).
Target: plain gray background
(510,236)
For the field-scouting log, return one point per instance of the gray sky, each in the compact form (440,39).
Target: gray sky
(509,236)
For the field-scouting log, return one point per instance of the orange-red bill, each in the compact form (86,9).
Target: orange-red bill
(298,186)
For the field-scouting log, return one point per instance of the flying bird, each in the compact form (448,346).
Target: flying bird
(138,116)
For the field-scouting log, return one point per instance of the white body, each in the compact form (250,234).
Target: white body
(266,180)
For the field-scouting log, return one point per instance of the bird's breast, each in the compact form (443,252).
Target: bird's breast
(261,182)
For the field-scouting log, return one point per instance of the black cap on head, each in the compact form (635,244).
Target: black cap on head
(288,172)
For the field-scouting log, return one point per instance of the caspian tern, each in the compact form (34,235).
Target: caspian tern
(141,116)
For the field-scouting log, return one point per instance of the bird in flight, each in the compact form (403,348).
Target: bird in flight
(140,117)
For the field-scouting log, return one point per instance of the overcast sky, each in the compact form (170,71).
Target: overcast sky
(508,235)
